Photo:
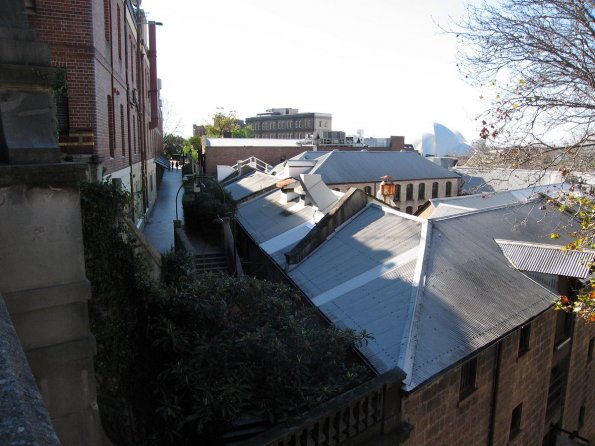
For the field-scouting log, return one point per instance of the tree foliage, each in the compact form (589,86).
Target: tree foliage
(178,361)
(173,144)
(223,125)
(535,60)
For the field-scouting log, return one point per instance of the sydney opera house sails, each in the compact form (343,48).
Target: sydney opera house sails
(443,142)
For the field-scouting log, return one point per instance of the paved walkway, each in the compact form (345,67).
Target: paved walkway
(159,230)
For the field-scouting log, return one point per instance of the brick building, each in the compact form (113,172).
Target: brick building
(107,93)
(461,303)
(288,123)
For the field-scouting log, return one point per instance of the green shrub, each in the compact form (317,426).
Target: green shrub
(178,361)
(203,209)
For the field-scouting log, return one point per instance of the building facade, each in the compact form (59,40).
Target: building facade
(107,93)
(288,123)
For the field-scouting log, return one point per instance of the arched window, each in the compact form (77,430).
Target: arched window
(409,210)
(368,190)
(434,190)
(398,193)
(421,191)
(448,189)
(409,195)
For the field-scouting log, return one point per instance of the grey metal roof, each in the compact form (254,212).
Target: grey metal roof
(485,200)
(250,184)
(341,167)
(312,155)
(471,295)
(363,278)
(475,180)
(266,217)
(547,259)
(430,292)
(253,142)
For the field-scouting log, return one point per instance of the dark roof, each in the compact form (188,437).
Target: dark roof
(364,167)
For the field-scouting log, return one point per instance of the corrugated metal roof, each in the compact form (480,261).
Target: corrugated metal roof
(547,259)
(253,142)
(362,278)
(312,155)
(472,296)
(429,303)
(362,167)
(250,184)
(490,180)
(266,217)
(461,204)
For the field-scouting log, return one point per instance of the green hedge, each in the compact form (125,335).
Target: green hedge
(201,210)
(178,361)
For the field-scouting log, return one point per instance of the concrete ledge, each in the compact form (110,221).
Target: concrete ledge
(43,174)
(40,298)
(65,352)
(23,417)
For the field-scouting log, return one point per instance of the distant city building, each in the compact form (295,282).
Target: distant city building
(288,123)
(198,130)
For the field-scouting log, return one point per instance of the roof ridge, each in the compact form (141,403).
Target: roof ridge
(541,245)
(488,209)
(409,339)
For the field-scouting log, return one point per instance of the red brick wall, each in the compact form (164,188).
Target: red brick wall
(76,33)
(439,417)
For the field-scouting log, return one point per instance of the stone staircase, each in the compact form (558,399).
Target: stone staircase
(208,263)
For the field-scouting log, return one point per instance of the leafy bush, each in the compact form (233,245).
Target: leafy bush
(177,362)
(232,347)
(202,210)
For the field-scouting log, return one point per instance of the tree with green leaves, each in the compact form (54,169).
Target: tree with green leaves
(173,144)
(535,62)
(224,125)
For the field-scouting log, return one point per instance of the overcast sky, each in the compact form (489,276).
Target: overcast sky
(378,65)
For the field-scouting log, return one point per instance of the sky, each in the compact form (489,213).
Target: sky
(381,66)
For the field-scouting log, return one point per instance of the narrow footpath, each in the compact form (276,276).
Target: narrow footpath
(159,229)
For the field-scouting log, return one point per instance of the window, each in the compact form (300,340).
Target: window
(468,374)
(448,189)
(555,396)
(581,416)
(409,193)
(434,190)
(524,338)
(590,351)
(368,190)
(110,125)
(134,134)
(290,122)
(122,130)
(398,193)
(320,124)
(515,421)
(421,191)
(119,33)
(409,210)
(106,23)
(563,327)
